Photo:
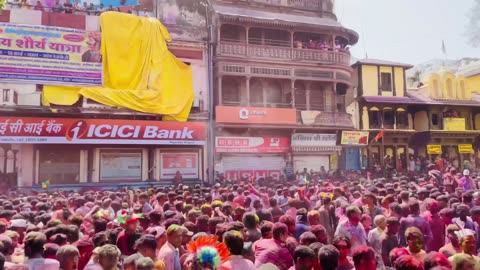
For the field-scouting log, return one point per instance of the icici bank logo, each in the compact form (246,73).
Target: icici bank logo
(243,114)
(76,130)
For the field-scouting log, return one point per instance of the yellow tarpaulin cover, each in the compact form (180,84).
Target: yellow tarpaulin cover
(138,70)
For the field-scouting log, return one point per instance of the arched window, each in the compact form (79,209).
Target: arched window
(388,118)
(374,118)
(401,119)
(256,92)
(230,91)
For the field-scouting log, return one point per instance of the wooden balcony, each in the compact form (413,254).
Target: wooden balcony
(277,53)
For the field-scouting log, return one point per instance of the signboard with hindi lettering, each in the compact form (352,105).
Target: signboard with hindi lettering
(313,140)
(40,130)
(354,138)
(36,54)
(465,149)
(434,149)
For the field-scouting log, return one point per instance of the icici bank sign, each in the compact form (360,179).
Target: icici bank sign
(93,131)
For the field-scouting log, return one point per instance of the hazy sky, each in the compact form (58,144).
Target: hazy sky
(408,31)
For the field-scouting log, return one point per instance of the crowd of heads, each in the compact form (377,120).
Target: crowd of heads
(317,224)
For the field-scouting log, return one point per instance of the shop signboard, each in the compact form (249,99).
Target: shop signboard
(36,54)
(255,115)
(465,149)
(39,130)
(354,138)
(252,144)
(454,124)
(434,149)
(184,162)
(313,140)
(237,175)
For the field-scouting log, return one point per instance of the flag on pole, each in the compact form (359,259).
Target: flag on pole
(379,136)
(45,184)
(444,49)
(305,180)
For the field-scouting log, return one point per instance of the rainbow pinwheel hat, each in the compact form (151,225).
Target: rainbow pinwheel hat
(209,251)
(128,217)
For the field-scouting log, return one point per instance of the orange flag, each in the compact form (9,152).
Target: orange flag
(379,136)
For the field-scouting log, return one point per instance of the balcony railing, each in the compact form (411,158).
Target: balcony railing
(237,49)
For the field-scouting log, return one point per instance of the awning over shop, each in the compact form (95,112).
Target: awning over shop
(392,100)
(316,148)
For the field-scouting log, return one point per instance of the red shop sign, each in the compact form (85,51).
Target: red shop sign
(37,130)
(252,144)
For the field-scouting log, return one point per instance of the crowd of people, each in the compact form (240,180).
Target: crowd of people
(312,224)
(321,45)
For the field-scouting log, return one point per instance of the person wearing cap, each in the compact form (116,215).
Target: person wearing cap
(160,235)
(19,226)
(468,243)
(187,237)
(169,253)
(466,182)
(129,235)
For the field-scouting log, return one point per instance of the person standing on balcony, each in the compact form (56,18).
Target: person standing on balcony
(68,7)
(39,6)
(57,8)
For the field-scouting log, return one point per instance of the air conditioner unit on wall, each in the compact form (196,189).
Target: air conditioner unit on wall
(8,97)
(88,103)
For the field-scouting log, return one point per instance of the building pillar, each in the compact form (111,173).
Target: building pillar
(292,82)
(247,87)
(394,109)
(219,81)
(27,166)
(291,39)
(307,94)
(335,109)
(247,30)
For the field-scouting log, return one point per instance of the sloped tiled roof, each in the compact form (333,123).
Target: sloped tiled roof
(377,62)
(267,16)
